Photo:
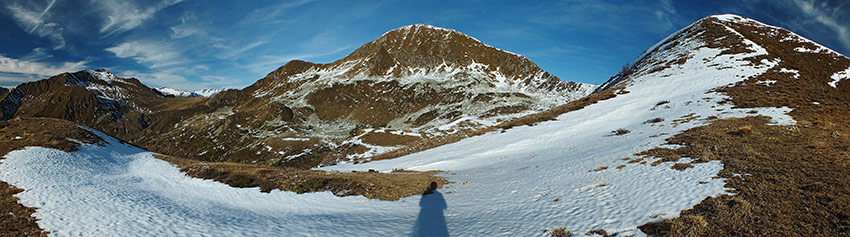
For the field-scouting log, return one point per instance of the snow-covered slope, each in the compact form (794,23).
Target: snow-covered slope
(119,190)
(520,171)
(507,183)
(186,93)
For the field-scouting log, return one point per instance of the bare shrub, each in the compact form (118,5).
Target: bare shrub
(620,131)
(654,120)
(560,232)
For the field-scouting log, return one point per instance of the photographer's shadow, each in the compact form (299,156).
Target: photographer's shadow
(431,221)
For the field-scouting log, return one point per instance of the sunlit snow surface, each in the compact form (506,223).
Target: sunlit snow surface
(514,176)
(505,182)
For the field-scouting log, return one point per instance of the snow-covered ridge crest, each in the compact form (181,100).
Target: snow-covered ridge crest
(666,52)
(103,86)
(736,19)
(187,93)
(105,76)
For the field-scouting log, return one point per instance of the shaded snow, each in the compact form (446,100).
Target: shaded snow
(118,190)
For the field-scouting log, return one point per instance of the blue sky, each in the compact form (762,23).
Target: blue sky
(193,44)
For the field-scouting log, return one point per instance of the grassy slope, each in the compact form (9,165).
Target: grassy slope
(788,180)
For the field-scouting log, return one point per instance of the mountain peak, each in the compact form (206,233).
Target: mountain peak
(727,17)
(423,28)
(413,47)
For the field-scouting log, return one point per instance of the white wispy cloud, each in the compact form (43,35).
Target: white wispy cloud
(124,15)
(150,54)
(615,17)
(272,14)
(174,78)
(185,29)
(821,13)
(37,54)
(268,63)
(157,79)
(14,70)
(33,19)
(231,51)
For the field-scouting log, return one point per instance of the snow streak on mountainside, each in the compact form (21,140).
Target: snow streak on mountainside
(566,172)
(184,93)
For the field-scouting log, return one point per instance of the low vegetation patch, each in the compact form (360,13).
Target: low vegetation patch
(621,131)
(560,232)
(599,232)
(796,182)
(384,186)
(387,139)
(659,104)
(654,120)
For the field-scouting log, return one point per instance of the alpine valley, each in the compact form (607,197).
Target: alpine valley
(727,127)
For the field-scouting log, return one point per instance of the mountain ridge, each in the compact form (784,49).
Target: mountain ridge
(717,27)
(305,114)
(208,92)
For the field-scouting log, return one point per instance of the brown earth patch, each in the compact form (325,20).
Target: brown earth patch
(787,180)
(384,186)
(387,139)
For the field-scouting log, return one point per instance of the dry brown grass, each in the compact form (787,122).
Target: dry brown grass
(16,219)
(599,232)
(560,232)
(794,178)
(383,186)
(620,131)
(798,178)
(796,182)
(387,139)
(681,166)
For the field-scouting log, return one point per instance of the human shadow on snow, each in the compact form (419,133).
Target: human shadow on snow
(431,221)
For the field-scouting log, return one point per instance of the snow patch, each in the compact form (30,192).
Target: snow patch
(766,82)
(791,71)
(838,76)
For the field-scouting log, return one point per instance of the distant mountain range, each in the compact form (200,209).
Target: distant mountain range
(184,93)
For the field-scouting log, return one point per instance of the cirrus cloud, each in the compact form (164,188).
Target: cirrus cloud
(14,71)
